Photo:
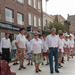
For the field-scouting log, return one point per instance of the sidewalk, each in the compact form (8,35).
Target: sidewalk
(68,69)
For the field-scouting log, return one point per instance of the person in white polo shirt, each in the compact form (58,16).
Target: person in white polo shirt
(5,47)
(21,46)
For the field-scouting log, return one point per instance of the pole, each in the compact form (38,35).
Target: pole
(42,16)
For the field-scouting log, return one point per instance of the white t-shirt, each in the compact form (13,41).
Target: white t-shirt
(21,40)
(61,45)
(36,46)
(71,43)
(13,44)
(5,43)
(66,43)
(28,43)
(44,45)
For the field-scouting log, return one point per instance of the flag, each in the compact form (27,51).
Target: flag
(47,0)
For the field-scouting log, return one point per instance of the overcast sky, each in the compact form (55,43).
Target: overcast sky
(62,7)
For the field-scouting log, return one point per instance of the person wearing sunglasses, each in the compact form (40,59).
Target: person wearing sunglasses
(36,49)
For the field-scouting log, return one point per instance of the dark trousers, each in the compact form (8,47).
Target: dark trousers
(53,51)
(5,54)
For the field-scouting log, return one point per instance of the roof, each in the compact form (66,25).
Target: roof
(72,17)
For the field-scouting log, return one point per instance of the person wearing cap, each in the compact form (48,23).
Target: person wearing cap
(52,42)
(60,49)
(21,46)
(66,47)
(71,44)
(36,49)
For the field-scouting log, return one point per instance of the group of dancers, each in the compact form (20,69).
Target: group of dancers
(36,49)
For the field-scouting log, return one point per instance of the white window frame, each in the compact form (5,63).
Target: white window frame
(7,18)
(35,4)
(20,2)
(35,21)
(18,21)
(30,19)
(39,5)
(39,22)
(30,2)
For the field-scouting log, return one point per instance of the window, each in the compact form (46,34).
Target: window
(72,25)
(30,19)
(39,5)
(35,21)
(20,1)
(34,3)
(46,22)
(30,2)
(39,22)
(9,15)
(20,19)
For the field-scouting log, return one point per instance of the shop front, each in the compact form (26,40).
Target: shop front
(8,28)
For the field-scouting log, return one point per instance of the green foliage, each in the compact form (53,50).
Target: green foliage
(57,25)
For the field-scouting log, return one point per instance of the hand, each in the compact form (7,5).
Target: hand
(48,51)
(1,53)
(60,51)
(26,50)
(19,49)
(32,53)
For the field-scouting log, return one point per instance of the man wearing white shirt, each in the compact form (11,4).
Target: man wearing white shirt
(5,47)
(52,49)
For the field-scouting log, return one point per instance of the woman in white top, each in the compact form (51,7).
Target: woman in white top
(36,48)
(14,52)
(60,49)
(66,47)
(21,46)
(71,44)
(44,48)
(28,48)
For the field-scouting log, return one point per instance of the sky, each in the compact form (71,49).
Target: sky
(60,7)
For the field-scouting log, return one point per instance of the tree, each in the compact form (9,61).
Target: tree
(55,24)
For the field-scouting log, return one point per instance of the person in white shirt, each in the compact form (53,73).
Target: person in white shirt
(66,47)
(5,47)
(21,46)
(45,54)
(71,44)
(14,51)
(60,49)
(28,48)
(59,32)
(52,49)
(36,49)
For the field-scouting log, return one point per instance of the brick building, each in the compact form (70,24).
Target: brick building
(59,18)
(71,19)
(15,14)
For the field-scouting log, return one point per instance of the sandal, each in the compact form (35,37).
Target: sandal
(20,68)
(36,71)
(31,63)
(23,67)
(28,64)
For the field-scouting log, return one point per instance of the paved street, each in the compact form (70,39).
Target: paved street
(68,69)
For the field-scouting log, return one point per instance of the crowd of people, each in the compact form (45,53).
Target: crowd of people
(38,49)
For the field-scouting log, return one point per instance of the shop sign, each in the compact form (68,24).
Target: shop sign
(8,26)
